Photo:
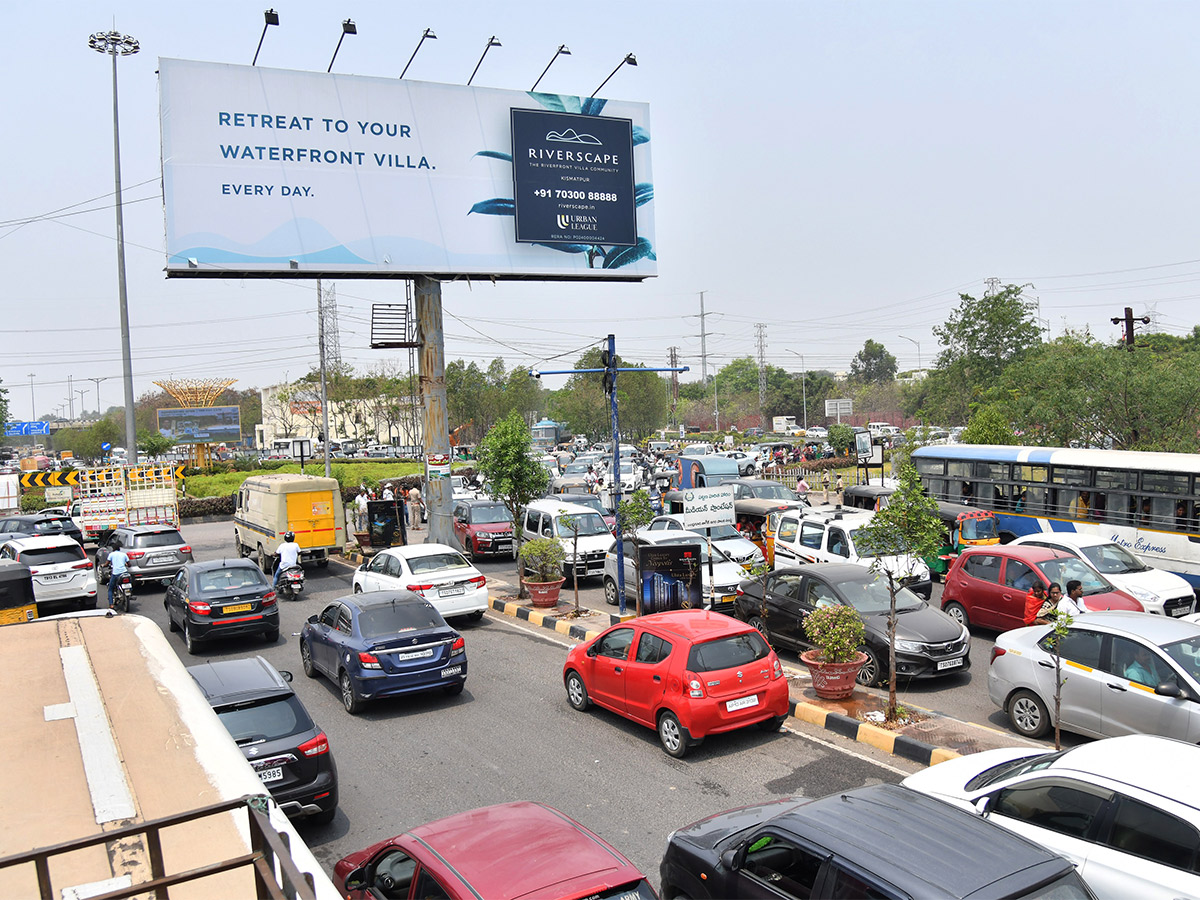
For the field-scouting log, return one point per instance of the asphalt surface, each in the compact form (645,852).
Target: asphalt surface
(511,735)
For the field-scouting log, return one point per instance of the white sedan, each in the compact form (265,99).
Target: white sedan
(440,574)
(1120,809)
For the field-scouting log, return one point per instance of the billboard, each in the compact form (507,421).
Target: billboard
(202,424)
(707,507)
(270,172)
(671,577)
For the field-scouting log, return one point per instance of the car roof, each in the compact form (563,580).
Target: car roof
(848,515)
(40,517)
(374,599)
(149,529)
(414,551)
(225,681)
(1155,629)
(552,506)
(831,571)
(209,565)
(43,541)
(1068,538)
(1111,759)
(1023,552)
(480,502)
(695,625)
(920,844)
(523,850)
(669,537)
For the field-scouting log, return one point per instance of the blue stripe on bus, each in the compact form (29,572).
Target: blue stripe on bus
(1060,525)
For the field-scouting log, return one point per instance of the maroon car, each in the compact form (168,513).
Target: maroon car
(526,850)
(987,586)
(483,527)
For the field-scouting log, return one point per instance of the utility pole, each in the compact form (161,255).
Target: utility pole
(32,401)
(71,398)
(703,344)
(324,389)
(993,286)
(673,362)
(1127,321)
(760,331)
(436,433)
(96,381)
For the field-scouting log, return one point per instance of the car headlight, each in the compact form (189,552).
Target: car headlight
(966,634)
(909,646)
(570,557)
(1145,596)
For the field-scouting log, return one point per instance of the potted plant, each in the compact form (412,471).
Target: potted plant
(837,633)
(543,557)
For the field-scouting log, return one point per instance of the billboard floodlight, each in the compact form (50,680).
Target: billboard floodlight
(270,17)
(348,27)
(563,51)
(492,42)
(427,33)
(629,58)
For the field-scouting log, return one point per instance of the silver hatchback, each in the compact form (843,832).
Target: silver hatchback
(156,552)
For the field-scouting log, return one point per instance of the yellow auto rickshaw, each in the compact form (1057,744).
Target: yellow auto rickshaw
(16,593)
(758,520)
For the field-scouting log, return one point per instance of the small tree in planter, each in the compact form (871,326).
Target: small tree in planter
(837,632)
(544,557)
(1058,632)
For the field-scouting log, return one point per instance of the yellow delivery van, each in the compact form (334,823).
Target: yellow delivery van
(269,506)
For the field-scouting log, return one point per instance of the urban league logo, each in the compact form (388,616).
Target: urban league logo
(571,136)
(564,222)
(573,223)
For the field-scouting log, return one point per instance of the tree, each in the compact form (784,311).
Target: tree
(3,405)
(154,443)
(988,425)
(841,438)
(907,529)
(513,476)
(989,333)
(873,364)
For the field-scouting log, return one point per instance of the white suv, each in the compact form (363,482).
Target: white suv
(61,570)
(545,518)
(1164,593)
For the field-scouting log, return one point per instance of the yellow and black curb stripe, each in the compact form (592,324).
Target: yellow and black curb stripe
(866,733)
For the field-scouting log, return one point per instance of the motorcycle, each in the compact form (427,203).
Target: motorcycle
(291,582)
(122,592)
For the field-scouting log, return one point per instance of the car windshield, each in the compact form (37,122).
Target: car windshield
(1187,654)
(269,720)
(868,551)
(978,528)
(727,652)
(1012,769)
(437,562)
(490,515)
(1072,569)
(725,531)
(576,469)
(626,468)
(871,597)
(170,538)
(229,578)
(379,621)
(588,523)
(590,502)
(1113,559)
(45,556)
(774,492)
(49,526)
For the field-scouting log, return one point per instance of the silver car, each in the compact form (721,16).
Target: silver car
(741,550)
(156,552)
(1122,673)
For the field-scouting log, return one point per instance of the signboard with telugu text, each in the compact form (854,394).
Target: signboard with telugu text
(707,507)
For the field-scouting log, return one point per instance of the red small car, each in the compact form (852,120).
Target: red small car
(687,673)
(483,527)
(515,850)
(987,586)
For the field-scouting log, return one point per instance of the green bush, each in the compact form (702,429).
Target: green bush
(545,557)
(33,503)
(190,508)
(837,631)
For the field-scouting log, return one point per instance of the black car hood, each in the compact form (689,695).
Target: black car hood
(709,833)
(927,624)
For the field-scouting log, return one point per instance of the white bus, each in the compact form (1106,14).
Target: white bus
(1147,502)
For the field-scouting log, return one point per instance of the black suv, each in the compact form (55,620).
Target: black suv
(289,752)
(39,525)
(883,841)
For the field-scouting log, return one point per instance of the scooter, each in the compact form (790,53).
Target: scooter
(291,582)
(122,592)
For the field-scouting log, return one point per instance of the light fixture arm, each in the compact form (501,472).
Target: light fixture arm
(562,50)
(629,58)
(427,33)
(492,42)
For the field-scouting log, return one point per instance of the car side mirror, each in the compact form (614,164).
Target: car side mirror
(1169,689)
(287,676)
(591,651)
(729,859)
(357,879)
(312,620)
(981,805)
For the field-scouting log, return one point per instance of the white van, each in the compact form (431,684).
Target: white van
(702,449)
(544,518)
(829,537)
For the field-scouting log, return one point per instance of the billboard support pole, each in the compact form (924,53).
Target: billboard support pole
(436,435)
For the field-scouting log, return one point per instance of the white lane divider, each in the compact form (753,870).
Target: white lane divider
(111,797)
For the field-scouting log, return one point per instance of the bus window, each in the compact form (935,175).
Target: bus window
(1064,475)
(1036,474)
(936,488)
(930,467)
(1075,504)
(1122,509)
(1164,483)
(957,468)
(1032,501)
(1116,479)
(1156,512)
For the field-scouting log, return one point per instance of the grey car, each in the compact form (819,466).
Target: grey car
(156,552)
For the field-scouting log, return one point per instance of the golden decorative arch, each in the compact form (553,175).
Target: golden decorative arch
(194,392)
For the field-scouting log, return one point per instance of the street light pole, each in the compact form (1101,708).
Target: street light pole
(918,343)
(803,385)
(32,401)
(96,381)
(116,44)
(81,393)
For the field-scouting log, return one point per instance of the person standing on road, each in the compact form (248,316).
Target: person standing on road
(825,486)
(840,487)
(118,559)
(360,510)
(414,508)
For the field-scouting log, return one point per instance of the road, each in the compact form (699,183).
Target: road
(511,735)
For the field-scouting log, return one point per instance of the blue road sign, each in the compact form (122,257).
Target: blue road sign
(106,446)
(16,429)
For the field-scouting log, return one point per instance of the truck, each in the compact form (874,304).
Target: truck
(268,506)
(785,425)
(111,496)
(129,777)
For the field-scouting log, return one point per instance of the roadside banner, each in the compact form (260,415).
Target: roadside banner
(671,577)
(707,507)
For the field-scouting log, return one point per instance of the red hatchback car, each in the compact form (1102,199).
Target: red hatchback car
(987,586)
(514,850)
(687,673)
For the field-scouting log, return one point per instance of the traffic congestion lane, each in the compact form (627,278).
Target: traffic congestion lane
(511,735)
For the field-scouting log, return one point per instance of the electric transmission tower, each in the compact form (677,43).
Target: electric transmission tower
(673,358)
(993,286)
(329,328)
(760,331)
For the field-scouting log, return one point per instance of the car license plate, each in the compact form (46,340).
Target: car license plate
(55,577)
(1181,611)
(266,776)
(949,664)
(160,558)
(742,703)
(241,607)
(452,591)
(453,670)
(416,654)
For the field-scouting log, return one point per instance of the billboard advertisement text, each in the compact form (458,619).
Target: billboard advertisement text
(202,425)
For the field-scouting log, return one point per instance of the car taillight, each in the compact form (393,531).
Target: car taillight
(33,571)
(200,608)
(316,746)
(459,646)
(997,652)
(777,670)
(185,549)
(86,564)
(694,687)
(268,599)
(420,588)
(479,581)
(369,661)
(135,554)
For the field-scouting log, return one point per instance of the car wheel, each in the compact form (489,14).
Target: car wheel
(189,639)
(350,698)
(610,592)
(271,636)
(957,613)
(306,660)
(1028,714)
(672,735)
(772,724)
(758,625)
(871,672)
(454,690)
(577,694)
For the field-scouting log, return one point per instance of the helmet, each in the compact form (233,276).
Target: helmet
(289,537)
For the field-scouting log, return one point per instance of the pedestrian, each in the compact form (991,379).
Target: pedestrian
(840,487)
(825,486)
(360,510)
(414,508)
(802,487)
(388,494)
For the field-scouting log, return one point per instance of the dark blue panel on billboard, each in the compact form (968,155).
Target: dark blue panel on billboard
(573,179)
(201,425)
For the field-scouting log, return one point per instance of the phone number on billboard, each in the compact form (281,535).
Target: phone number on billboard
(575,195)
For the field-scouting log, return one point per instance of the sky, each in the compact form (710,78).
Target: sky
(839,171)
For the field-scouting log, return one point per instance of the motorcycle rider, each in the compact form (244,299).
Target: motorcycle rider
(287,555)
(119,560)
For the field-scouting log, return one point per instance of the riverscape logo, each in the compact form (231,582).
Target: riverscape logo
(571,136)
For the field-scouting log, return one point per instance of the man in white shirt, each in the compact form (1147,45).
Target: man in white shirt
(387,492)
(360,510)
(287,555)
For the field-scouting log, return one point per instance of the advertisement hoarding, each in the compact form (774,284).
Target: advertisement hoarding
(862,444)
(270,172)
(671,577)
(707,507)
(202,424)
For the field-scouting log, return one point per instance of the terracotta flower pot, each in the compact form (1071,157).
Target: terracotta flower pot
(832,681)
(544,594)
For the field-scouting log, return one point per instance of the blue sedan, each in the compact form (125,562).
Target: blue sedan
(383,644)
